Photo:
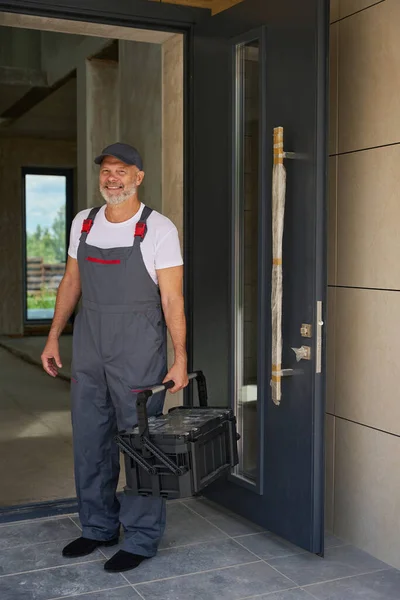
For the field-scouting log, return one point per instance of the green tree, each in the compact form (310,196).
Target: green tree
(49,244)
(58,229)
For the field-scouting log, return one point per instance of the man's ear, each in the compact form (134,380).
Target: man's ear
(139,177)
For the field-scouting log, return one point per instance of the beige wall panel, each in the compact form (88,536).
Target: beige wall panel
(349,7)
(367,490)
(367,356)
(333,88)
(369,78)
(331,351)
(14,154)
(329,471)
(368,217)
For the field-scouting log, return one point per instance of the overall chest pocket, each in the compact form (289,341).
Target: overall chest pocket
(154,319)
(104,279)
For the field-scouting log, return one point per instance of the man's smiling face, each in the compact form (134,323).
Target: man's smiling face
(118,181)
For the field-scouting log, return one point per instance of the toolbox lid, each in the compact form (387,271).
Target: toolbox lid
(186,421)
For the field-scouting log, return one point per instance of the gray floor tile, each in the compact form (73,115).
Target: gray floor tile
(267,545)
(38,556)
(235,525)
(230,523)
(77,522)
(205,507)
(191,559)
(124,593)
(59,582)
(297,594)
(339,562)
(223,584)
(18,534)
(384,585)
(331,541)
(185,527)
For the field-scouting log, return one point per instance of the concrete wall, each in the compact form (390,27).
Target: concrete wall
(363,411)
(16,153)
(20,48)
(172,152)
(140,87)
(97,123)
(62,53)
(121,102)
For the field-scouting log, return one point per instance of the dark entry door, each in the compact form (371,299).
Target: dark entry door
(257,66)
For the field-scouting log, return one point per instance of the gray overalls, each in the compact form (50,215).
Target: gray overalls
(119,345)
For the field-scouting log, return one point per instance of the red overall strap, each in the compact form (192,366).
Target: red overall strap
(87,225)
(140,229)
(141,226)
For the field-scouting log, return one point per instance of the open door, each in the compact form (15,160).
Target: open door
(257,66)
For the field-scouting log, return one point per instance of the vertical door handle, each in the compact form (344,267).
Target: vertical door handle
(278,214)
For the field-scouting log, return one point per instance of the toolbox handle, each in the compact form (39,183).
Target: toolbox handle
(144,395)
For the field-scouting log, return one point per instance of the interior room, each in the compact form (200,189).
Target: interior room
(65,96)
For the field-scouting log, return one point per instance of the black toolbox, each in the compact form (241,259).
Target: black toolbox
(178,454)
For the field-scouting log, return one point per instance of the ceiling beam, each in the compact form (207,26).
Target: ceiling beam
(30,100)
(23,76)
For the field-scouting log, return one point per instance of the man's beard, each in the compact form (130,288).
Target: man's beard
(114,199)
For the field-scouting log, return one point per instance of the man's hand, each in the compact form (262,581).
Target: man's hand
(68,295)
(51,357)
(177,374)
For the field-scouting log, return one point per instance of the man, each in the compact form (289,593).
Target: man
(126,262)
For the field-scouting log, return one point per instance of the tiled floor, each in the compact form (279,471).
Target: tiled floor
(206,554)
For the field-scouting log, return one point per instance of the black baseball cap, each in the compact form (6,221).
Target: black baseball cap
(128,154)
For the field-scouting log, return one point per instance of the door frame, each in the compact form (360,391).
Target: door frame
(152,16)
(180,19)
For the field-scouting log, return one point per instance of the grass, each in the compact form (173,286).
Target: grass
(45,299)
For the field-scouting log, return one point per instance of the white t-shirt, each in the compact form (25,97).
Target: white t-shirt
(160,247)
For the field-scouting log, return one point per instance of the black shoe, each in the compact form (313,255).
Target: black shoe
(123,561)
(83,546)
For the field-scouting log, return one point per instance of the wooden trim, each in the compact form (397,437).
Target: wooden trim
(196,3)
(216,6)
(220,5)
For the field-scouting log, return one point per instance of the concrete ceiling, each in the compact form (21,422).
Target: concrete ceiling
(54,117)
(42,101)
(10,94)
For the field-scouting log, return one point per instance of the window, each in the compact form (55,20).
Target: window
(47,205)
(247,125)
